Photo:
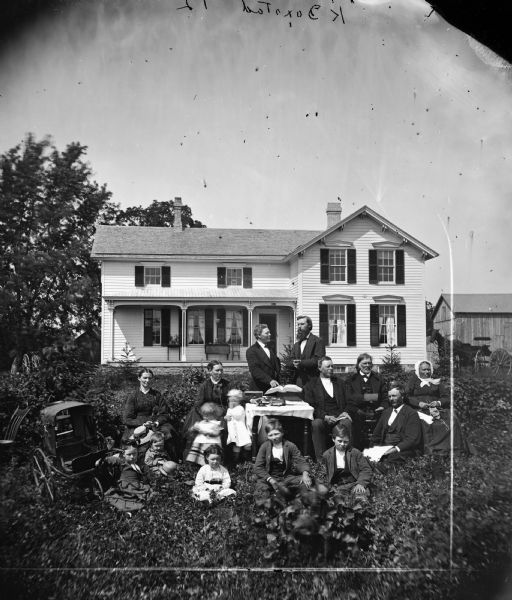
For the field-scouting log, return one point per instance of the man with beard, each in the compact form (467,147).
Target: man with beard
(306,352)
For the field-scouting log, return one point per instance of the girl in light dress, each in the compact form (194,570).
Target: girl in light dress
(238,434)
(212,479)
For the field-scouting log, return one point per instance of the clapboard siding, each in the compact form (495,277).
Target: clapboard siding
(363,233)
(119,277)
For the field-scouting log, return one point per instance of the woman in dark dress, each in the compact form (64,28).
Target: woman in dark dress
(214,389)
(429,397)
(147,407)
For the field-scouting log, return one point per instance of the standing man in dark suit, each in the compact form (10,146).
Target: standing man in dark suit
(399,427)
(326,395)
(264,364)
(366,399)
(306,352)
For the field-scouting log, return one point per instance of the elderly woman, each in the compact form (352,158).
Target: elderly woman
(365,395)
(214,389)
(429,397)
(147,407)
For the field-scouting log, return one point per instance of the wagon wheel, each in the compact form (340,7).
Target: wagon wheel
(43,476)
(97,489)
(501,361)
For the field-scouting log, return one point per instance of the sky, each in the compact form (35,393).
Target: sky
(259,120)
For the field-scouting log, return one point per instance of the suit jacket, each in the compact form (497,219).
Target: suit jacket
(404,432)
(308,368)
(354,392)
(357,464)
(294,462)
(263,369)
(314,396)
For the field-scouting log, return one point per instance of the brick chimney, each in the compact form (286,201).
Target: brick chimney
(177,215)
(333,213)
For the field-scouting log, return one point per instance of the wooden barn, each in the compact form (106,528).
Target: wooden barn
(479,319)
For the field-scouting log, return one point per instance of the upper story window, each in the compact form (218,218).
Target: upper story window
(337,265)
(150,275)
(236,276)
(386,266)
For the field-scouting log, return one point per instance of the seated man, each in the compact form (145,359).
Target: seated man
(326,395)
(397,436)
(347,469)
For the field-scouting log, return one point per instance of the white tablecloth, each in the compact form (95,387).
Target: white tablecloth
(302,410)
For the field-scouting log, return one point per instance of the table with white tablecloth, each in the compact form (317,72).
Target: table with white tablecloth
(292,408)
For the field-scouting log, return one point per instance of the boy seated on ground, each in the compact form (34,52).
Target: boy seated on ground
(280,466)
(157,460)
(347,469)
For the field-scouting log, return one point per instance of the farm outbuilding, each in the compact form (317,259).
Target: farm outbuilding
(478,319)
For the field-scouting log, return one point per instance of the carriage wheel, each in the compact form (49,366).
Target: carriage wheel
(501,362)
(97,489)
(43,476)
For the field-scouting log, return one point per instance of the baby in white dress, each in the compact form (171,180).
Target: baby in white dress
(238,434)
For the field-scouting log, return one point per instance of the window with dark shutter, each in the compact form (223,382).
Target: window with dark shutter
(208,326)
(372,267)
(324,266)
(166,276)
(139,276)
(247,277)
(245,333)
(351,266)
(166,326)
(148,324)
(221,325)
(401,325)
(374,324)
(221,277)
(324,323)
(351,325)
(400,267)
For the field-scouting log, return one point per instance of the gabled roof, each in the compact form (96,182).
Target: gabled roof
(476,303)
(116,241)
(366,211)
(272,244)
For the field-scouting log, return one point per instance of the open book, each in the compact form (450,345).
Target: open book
(283,389)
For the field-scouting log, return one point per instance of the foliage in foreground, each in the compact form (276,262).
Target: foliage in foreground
(408,519)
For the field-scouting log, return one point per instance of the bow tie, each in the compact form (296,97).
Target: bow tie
(429,381)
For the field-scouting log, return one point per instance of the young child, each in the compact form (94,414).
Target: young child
(207,432)
(279,465)
(157,460)
(347,469)
(238,434)
(212,479)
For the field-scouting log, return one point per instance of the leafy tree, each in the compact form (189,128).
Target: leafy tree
(48,207)
(157,214)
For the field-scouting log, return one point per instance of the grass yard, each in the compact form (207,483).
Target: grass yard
(175,548)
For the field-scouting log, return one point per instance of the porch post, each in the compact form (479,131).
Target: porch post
(249,322)
(183,353)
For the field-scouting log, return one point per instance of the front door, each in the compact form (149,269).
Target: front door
(271,322)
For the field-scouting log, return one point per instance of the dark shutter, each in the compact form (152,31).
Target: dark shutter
(324,323)
(351,266)
(221,325)
(372,266)
(324,265)
(180,323)
(166,276)
(245,332)
(401,333)
(221,276)
(139,276)
(166,326)
(400,269)
(351,324)
(148,326)
(247,277)
(374,323)
(208,326)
